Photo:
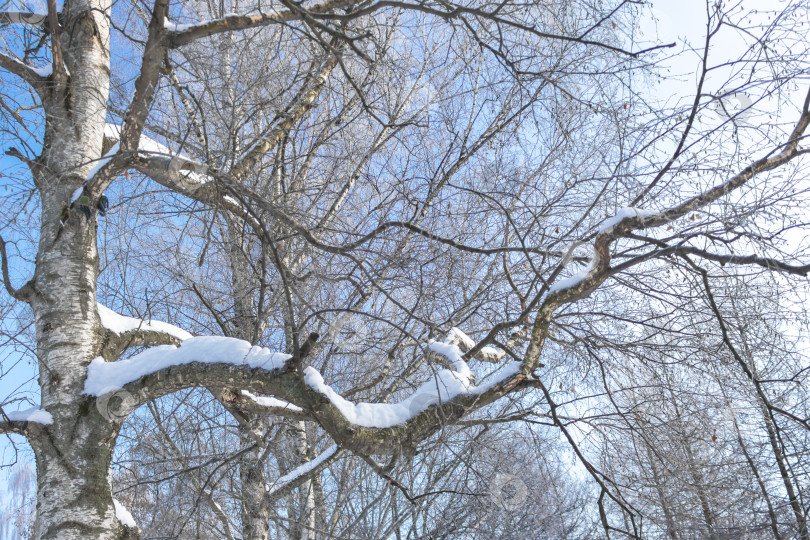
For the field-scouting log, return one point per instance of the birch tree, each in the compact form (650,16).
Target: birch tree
(421,216)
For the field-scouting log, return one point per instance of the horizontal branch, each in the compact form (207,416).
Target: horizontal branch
(124,332)
(246,401)
(180,176)
(21,422)
(765,262)
(367,428)
(15,427)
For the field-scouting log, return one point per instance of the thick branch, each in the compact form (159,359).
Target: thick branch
(232,363)
(16,427)
(24,422)
(123,332)
(246,401)
(169,172)
(115,344)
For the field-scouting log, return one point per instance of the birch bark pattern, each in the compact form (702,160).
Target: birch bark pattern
(73,460)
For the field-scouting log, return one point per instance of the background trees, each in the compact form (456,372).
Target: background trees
(566,305)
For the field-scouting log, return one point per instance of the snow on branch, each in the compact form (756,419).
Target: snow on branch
(630,219)
(106,158)
(104,377)
(571,281)
(466,344)
(367,428)
(625,213)
(190,171)
(444,386)
(271,402)
(121,324)
(34,414)
(123,515)
(454,355)
(33,75)
(300,474)
(605,228)
(604,233)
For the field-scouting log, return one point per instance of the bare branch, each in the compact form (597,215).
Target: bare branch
(243,22)
(302,103)
(23,293)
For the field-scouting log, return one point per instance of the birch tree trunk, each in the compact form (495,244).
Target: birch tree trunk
(73,460)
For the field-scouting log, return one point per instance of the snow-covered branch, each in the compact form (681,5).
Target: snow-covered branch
(20,421)
(296,477)
(124,332)
(369,428)
(170,169)
(196,351)
(269,405)
(465,343)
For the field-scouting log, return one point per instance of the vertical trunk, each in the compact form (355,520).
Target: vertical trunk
(74,498)
(307,517)
(255,514)
(73,460)
(73,486)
